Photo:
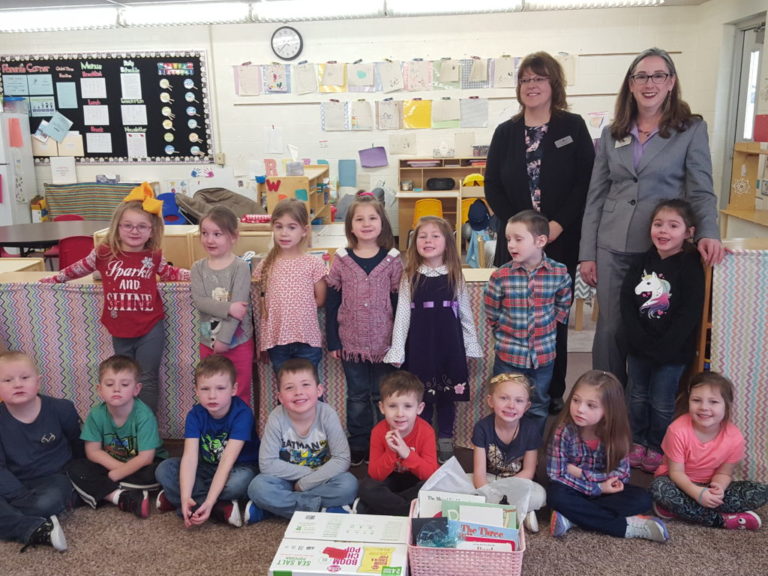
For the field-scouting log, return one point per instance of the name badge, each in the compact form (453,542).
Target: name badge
(563,142)
(623,142)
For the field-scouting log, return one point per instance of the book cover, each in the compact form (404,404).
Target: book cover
(500,515)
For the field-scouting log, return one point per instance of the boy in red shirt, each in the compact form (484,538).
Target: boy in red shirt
(403,453)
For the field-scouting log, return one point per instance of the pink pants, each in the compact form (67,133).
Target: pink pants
(242,358)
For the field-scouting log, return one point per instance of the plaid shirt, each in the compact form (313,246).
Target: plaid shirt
(523,308)
(567,447)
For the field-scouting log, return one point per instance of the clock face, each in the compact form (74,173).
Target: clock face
(287,43)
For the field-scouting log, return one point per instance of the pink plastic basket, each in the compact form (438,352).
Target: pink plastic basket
(430,561)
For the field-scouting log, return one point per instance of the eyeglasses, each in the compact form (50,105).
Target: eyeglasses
(534,80)
(656,77)
(142,228)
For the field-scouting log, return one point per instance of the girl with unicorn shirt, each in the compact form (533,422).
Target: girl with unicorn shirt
(661,302)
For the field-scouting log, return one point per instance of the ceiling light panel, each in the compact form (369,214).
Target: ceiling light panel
(296,10)
(185,13)
(585,4)
(57,19)
(437,7)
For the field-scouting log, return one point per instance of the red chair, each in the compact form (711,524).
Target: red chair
(53,251)
(73,249)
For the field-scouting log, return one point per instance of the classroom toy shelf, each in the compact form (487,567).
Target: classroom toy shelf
(311,188)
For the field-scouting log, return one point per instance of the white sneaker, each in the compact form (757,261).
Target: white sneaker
(531,522)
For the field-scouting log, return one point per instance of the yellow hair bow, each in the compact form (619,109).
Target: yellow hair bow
(143,193)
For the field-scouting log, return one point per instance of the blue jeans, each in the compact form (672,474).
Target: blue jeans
(20,517)
(651,393)
(277,495)
(540,378)
(606,513)
(167,474)
(363,379)
(279,354)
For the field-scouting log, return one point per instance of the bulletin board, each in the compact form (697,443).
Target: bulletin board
(123,107)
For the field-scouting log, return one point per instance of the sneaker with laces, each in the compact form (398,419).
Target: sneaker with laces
(651,461)
(163,504)
(636,455)
(49,533)
(227,512)
(253,514)
(559,524)
(646,527)
(444,449)
(135,501)
(662,512)
(742,521)
(531,523)
(346,509)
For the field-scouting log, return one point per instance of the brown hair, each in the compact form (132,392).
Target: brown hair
(17,356)
(521,379)
(296,210)
(613,430)
(719,383)
(675,112)
(450,257)
(119,363)
(222,217)
(213,365)
(544,64)
(683,209)
(294,365)
(536,223)
(386,239)
(112,239)
(401,382)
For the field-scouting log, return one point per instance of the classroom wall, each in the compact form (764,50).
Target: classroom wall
(606,39)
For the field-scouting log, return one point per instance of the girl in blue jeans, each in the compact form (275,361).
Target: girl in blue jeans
(661,302)
(588,467)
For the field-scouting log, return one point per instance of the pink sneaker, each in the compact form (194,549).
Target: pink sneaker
(636,455)
(662,512)
(742,521)
(651,461)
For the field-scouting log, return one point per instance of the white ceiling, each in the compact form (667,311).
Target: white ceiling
(42,4)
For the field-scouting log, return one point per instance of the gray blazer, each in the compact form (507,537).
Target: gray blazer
(620,201)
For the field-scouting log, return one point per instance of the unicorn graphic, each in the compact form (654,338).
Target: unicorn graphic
(657,291)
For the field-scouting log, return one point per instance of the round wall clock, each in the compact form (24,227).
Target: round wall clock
(287,43)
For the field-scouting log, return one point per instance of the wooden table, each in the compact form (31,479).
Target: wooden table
(8,265)
(42,235)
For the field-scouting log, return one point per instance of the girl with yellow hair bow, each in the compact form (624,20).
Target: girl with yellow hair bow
(129,261)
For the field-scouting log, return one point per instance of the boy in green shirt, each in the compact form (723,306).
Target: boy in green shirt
(122,443)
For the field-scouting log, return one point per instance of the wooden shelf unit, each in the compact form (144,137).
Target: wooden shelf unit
(311,188)
(455,168)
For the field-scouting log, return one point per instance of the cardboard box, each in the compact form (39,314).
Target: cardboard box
(348,527)
(323,557)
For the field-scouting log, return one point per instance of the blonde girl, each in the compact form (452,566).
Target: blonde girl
(129,261)
(588,467)
(506,445)
(434,331)
(701,451)
(221,291)
(292,286)
(362,297)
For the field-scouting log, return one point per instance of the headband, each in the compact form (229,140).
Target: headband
(143,193)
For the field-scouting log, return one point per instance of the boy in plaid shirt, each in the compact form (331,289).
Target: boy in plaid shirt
(524,301)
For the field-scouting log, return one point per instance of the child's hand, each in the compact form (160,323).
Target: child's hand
(574,470)
(220,347)
(335,354)
(710,499)
(396,444)
(611,486)
(238,310)
(48,280)
(201,515)
(716,489)
(187,510)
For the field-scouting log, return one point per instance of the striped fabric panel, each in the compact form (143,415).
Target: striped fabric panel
(739,344)
(90,200)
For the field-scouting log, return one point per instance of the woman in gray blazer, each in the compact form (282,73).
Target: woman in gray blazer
(542,159)
(655,149)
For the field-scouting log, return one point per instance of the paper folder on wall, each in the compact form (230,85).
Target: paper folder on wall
(373,157)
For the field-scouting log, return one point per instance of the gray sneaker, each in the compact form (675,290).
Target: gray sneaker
(444,449)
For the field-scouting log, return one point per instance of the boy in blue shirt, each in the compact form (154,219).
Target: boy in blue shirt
(122,443)
(38,437)
(221,451)
(524,301)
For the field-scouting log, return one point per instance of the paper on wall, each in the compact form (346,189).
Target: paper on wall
(63,170)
